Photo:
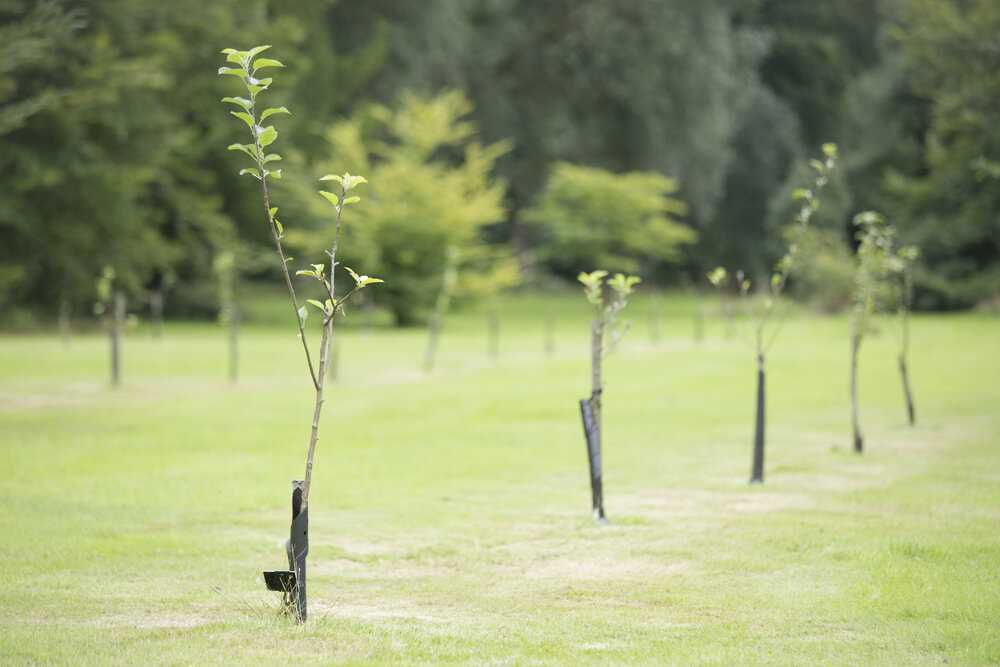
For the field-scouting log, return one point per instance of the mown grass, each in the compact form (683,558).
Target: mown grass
(450,516)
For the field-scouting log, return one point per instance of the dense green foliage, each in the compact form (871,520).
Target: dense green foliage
(109,123)
(590,217)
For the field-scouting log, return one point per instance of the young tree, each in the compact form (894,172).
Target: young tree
(248,66)
(766,325)
(874,246)
(608,299)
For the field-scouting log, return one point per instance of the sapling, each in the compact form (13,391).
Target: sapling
(247,69)
(874,247)
(65,314)
(765,324)
(608,298)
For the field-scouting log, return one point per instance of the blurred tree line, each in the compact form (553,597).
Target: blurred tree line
(112,137)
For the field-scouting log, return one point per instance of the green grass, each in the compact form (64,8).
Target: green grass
(450,513)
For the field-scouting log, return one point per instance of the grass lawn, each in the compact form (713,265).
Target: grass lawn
(450,512)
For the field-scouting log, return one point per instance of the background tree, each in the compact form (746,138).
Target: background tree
(587,216)
(434,190)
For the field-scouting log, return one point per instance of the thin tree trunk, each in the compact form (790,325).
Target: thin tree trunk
(596,391)
(156,312)
(859,444)
(904,374)
(653,316)
(234,339)
(434,326)
(550,336)
(433,329)
(117,319)
(757,473)
(493,333)
(64,321)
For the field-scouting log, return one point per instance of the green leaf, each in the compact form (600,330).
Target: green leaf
(267,135)
(273,110)
(368,280)
(351,200)
(252,172)
(273,211)
(277,225)
(266,62)
(354,275)
(273,174)
(350,182)
(245,117)
(239,101)
(307,273)
(303,314)
(330,197)
(319,268)
(249,149)
(252,53)
(333,177)
(830,150)
(232,71)
(317,304)
(273,157)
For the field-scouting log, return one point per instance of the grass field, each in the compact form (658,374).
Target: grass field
(450,513)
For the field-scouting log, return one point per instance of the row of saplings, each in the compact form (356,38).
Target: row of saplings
(608,296)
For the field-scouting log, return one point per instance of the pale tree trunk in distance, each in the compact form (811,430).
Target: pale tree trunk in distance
(653,316)
(493,332)
(440,308)
(64,321)
(234,342)
(156,312)
(117,322)
(550,335)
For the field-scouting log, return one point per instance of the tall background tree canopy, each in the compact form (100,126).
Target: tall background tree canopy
(110,129)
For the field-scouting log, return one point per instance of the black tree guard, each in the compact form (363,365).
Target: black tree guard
(757,475)
(291,583)
(592,433)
